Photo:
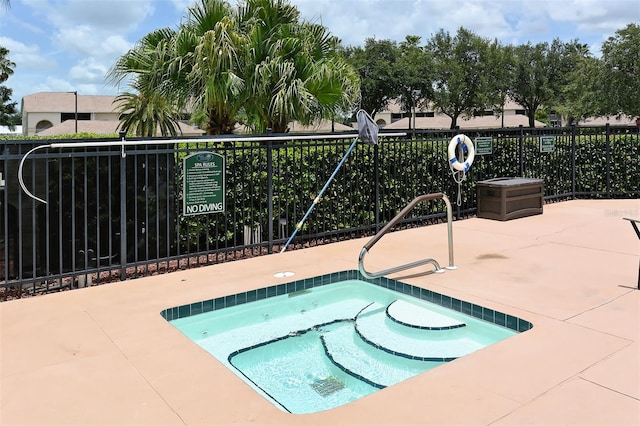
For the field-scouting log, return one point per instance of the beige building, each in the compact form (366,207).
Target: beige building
(513,116)
(54,113)
(58,113)
(395,118)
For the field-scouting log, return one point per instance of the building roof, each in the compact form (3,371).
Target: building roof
(484,122)
(103,127)
(395,107)
(66,102)
(614,121)
(324,126)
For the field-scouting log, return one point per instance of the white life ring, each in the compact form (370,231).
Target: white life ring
(453,160)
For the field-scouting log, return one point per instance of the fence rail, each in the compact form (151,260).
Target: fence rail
(116,212)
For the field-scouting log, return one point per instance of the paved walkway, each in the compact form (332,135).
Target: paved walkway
(104,355)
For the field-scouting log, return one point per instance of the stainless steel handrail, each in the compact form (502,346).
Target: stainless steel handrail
(392,223)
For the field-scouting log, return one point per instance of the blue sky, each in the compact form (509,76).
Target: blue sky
(69,45)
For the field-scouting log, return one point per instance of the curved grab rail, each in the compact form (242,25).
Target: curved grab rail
(20,175)
(392,223)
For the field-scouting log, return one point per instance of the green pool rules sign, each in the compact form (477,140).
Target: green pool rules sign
(203,183)
(547,143)
(484,145)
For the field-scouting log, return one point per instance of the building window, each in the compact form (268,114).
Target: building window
(483,113)
(555,119)
(64,116)
(520,112)
(43,125)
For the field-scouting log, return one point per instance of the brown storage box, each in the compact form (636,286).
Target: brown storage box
(509,198)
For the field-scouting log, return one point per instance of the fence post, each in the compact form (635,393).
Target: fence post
(270,194)
(376,170)
(123,211)
(573,161)
(521,151)
(608,158)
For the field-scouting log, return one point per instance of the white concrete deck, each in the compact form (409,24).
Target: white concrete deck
(104,355)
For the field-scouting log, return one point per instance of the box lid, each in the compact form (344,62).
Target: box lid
(509,181)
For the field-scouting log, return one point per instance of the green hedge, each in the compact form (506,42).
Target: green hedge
(405,169)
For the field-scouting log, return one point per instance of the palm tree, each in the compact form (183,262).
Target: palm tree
(6,66)
(147,114)
(152,107)
(293,71)
(193,66)
(256,61)
(209,59)
(8,110)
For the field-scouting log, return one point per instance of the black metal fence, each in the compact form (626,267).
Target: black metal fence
(116,212)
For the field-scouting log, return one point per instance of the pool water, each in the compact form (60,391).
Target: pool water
(319,348)
(299,387)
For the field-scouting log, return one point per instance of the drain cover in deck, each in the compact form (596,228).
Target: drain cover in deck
(327,386)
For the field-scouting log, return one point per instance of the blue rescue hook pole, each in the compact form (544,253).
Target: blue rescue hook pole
(317,199)
(368,133)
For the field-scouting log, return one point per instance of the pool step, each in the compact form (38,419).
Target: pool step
(443,344)
(414,316)
(269,329)
(376,367)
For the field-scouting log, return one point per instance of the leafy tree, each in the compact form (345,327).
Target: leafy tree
(619,77)
(541,72)
(375,64)
(462,74)
(500,71)
(413,74)
(577,98)
(8,113)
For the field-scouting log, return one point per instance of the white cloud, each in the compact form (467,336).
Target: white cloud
(355,20)
(26,56)
(115,46)
(88,71)
(13,20)
(52,84)
(96,28)
(82,41)
(101,15)
(78,39)
(593,15)
(509,21)
(182,5)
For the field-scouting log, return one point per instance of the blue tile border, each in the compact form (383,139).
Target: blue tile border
(477,311)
